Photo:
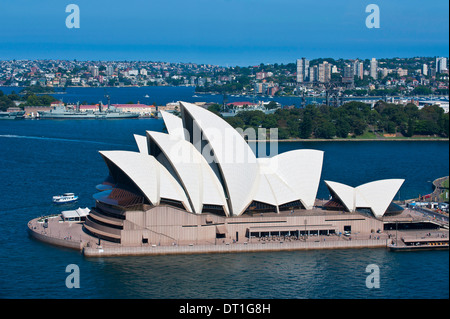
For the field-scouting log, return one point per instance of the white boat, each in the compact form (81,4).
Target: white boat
(147,95)
(64,198)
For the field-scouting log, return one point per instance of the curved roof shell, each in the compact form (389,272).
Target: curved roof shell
(290,176)
(141,142)
(174,125)
(195,175)
(235,159)
(376,195)
(152,178)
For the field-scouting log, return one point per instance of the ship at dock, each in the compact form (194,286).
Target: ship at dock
(110,112)
(12,115)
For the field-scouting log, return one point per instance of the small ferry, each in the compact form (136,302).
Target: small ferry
(412,244)
(65,198)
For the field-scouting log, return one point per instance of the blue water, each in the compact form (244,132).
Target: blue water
(161,95)
(41,158)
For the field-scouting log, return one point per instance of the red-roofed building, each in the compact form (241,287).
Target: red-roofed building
(242,104)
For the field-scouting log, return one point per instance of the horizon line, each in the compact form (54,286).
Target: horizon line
(219,65)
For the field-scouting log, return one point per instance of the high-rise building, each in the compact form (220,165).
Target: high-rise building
(441,65)
(302,70)
(313,74)
(109,70)
(324,72)
(348,74)
(425,69)
(373,68)
(94,71)
(358,69)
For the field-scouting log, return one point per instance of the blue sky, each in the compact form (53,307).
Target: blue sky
(224,32)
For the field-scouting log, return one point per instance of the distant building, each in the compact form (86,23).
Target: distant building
(324,72)
(402,72)
(425,69)
(302,70)
(359,70)
(109,70)
(441,65)
(348,76)
(242,104)
(373,68)
(94,71)
(313,74)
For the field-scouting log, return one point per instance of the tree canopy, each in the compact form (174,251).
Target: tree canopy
(352,119)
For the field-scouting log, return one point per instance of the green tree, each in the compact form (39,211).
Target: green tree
(342,127)
(325,129)
(306,126)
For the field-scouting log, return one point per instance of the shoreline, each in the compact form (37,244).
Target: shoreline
(408,139)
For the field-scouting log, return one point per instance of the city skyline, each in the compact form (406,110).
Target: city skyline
(224,32)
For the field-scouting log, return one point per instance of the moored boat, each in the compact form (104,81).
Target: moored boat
(65,198)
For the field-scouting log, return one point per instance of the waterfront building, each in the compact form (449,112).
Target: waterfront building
(201,182)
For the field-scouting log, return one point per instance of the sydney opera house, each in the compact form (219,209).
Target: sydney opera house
(202,182)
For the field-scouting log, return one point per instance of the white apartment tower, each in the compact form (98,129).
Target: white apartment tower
(425,69)
(373,68)
(302,70)
(441,65)
(324,72)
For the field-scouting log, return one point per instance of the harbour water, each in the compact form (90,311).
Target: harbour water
(42,158)
(161,95)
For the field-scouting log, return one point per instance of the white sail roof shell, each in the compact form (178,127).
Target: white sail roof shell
(301,170)
(376,195)
(153,179)
(345,193)
(289,177)
(235,158)
(174,125)
(141,142)
(201,184)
